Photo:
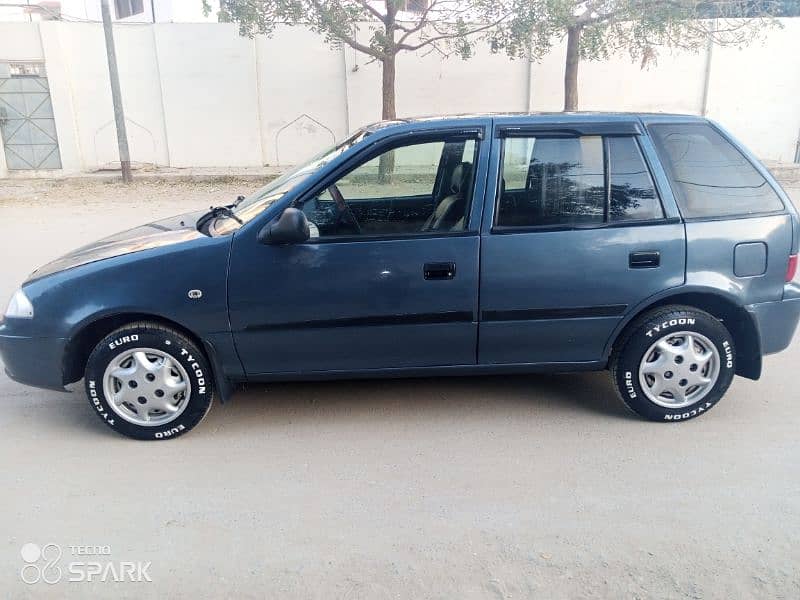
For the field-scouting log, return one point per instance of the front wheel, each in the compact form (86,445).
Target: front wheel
(673,363)
(149,382)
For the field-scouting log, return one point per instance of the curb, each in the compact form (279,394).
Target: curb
(785,173)
(152,177)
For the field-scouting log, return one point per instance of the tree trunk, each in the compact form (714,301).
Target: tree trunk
(388,112)
(571,69)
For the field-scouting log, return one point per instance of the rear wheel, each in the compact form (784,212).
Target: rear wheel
(149,382)
(673,363)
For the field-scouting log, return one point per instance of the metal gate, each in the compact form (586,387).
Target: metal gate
(26,118)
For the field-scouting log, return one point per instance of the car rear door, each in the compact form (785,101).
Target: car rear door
(575,236)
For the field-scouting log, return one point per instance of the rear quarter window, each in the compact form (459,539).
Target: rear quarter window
(709,175)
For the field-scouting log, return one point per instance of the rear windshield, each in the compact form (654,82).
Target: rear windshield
(709,176)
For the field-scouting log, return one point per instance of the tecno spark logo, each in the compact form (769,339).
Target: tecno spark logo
(44,564)
(34,571)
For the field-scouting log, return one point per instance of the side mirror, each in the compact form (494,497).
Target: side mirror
(290,228)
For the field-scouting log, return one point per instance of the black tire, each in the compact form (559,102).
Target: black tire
(195,366)
(657,324)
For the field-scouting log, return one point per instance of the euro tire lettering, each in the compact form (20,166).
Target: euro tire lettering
(126,339)
(169,432)
(728,354)
(629,384)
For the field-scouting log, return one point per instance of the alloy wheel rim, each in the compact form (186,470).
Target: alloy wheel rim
(679,369)
(146,387)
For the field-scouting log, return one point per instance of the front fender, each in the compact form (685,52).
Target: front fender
(155,281)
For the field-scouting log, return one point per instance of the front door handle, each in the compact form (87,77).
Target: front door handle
(648,259)
(439,270)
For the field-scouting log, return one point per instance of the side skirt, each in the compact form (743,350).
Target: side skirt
(452,370)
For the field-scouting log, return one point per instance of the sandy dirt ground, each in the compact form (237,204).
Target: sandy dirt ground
(494,487)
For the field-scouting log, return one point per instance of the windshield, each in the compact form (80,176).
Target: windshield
(259,201)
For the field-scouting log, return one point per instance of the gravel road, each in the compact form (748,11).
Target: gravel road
(494,487)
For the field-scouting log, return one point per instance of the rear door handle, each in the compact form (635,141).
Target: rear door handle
(439,270)
(647,259)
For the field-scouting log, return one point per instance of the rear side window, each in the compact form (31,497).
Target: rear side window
(709,175)
(564,181)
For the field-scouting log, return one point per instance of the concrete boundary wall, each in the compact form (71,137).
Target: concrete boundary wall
(199,95)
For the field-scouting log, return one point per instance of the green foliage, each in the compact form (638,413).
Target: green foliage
(788,8)
(517,27)
(597,28)
(448,27)
(641,26)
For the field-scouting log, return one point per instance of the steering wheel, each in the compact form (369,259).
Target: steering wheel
(344,209)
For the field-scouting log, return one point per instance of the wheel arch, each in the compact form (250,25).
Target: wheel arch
(724,307)
(88,335)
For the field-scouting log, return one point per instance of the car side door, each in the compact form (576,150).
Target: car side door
(576,237)
(382,283)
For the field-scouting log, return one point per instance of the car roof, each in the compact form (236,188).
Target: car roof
(501,118)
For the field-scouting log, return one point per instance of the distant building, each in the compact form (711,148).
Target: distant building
(131,11)
(30,10)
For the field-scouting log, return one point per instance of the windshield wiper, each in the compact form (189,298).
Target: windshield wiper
(225,211)
(216,212)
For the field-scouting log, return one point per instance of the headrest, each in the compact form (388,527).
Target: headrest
(460,177)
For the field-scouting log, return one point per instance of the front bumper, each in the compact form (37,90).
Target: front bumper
(777,321)
(35,361)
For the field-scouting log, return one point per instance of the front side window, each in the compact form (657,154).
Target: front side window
(709,175)
(418,188)
(574,181)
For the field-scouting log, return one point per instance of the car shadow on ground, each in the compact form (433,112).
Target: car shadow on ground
(546,396)
(256,406)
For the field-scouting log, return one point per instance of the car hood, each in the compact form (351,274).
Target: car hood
(166,232)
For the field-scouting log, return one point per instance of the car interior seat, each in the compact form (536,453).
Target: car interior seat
(451,209)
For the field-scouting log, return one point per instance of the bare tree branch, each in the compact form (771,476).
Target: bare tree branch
(423,20)
(370,8)
(344,35)
(452,35)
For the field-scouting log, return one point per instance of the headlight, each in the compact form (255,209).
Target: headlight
(20,307)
